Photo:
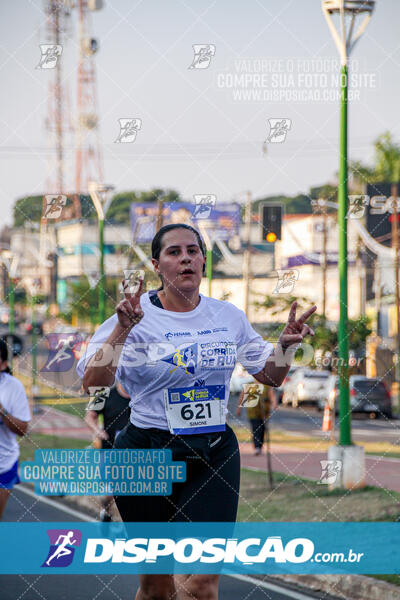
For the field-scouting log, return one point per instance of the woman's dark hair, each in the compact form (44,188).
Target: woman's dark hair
(4,355)
(157,240)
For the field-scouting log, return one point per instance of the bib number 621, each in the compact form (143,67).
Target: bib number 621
(188,413)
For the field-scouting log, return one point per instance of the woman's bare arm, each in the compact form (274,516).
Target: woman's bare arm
(295,330)
(101,368)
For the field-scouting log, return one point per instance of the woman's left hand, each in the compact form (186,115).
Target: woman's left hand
(296,329)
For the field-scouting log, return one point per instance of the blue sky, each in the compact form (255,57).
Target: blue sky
(196,135)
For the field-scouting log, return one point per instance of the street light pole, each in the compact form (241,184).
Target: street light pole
(345,41)
(247,255)
(11,298)
(98,193)
(395,243)
(351,458)
(208,240)
(344,397)
(11,262)
(102,294)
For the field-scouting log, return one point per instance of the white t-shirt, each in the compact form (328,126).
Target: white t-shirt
(209,339)
(14,400)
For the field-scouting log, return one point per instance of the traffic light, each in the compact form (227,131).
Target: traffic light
(271,222)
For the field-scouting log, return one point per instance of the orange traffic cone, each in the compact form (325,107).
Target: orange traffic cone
(327,420)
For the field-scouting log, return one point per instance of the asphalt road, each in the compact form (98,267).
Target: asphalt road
(306,419)
(24,507)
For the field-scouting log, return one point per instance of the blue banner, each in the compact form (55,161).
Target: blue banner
(90,472)
(251,548)
(224,219)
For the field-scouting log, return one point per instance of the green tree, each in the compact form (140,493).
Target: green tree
(118,211)
(301,204)
(27,210)
(84,301)
(292,204)
(326,333)
(327,191)
(386,165)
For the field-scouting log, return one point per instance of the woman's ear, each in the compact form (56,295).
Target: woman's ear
(155,265)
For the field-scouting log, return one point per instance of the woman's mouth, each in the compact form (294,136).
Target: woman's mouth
(187,272)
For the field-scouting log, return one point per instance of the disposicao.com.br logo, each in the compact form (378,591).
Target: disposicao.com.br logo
(62,547)
(193,550)
(127,548)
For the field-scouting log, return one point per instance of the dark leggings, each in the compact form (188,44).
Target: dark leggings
(258,427)
(211,489)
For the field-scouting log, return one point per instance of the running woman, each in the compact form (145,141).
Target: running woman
(14,418)
(174,351)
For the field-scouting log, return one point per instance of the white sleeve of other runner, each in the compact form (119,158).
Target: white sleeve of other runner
(253,351)
(19,405)
(98,339)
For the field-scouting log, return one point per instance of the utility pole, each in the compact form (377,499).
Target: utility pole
(159,220)
(361,276)
(246,256)
(56,123)
(395,243)
(324,256)
(88,158)
(378,294)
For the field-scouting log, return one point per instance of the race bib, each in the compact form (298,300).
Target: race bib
(195,409)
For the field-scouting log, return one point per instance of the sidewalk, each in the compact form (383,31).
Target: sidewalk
(380,472)
(56,422)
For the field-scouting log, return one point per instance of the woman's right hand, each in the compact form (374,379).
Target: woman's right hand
(129,311)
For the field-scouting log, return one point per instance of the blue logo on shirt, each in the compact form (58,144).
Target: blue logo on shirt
(186,358)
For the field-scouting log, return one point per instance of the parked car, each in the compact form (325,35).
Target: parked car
(5,316)
(239,377)
(38,328)
(304,386)
(367,395)
(279,390)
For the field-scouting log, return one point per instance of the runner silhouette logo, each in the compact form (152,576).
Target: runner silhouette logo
(62,547)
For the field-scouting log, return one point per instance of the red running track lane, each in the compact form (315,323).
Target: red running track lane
(380,472)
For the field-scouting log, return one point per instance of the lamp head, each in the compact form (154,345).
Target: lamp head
(94,186)
(347,12)
(349,6)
